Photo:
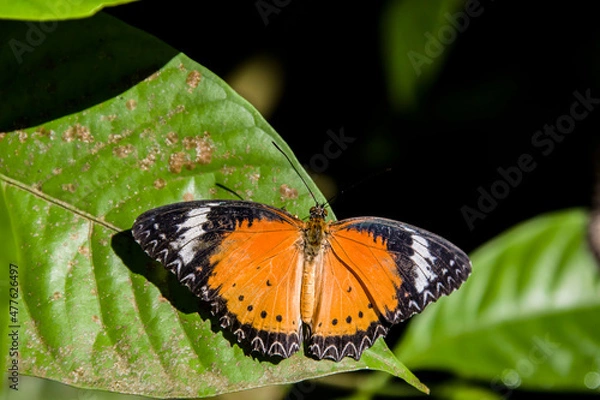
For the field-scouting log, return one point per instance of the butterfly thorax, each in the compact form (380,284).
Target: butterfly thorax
(316,231)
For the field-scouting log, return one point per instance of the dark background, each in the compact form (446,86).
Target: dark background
(514,69)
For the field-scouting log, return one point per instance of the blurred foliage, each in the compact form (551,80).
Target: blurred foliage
(416,38)
(43,10)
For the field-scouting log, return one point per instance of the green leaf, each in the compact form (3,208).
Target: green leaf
(93,312)
(31,388)
(526,318)
(41,10)
(416,37)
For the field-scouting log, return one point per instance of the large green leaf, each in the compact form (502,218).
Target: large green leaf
(527,317)
(43,10)
(93,311)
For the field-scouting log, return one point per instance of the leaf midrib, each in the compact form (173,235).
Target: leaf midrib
(62,204)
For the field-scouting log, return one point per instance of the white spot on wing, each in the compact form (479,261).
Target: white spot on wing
(186,253)
(186,243)
(191,230)
(194,218)
(423,259)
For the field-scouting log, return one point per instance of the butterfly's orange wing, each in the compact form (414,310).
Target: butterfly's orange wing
(377,272)
(244,258)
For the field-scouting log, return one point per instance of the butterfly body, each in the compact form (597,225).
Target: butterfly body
(275,280)
(314,243)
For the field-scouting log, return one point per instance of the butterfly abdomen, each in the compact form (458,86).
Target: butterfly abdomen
(315,238)
(310,271)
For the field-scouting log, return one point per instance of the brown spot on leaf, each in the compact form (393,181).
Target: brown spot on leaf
(188,196)
(176,162)
(78,132)
(203,147)
(160,183)
(57,171)
(177,110)
(226,170)
(287,192)
(227,155)
(193,79)
(189,142)
(162,299)
(22,136)
(254,177)
(123,151)
(131,104)
(153,76)
(41,131)
(198,150)
(148,161)
(172,138)
(68,187)
(109,118)
(114,138)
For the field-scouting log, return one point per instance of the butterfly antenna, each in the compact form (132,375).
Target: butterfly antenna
(297,172)
(229,190)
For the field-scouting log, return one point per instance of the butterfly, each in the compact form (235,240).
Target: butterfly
(278,282)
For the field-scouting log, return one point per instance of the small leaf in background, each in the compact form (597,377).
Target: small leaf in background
(416,38)
(95,312)
(527,317)
(40,10)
